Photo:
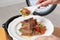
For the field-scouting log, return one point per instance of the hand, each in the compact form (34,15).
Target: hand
(47,2)
(52,37)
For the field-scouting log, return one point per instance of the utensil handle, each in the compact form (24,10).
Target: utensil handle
(39,5)
(35,6)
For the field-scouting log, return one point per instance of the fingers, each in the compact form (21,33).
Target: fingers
(45,3)
(39,1)
(42,5)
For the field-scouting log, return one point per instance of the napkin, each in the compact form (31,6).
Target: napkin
(3,35)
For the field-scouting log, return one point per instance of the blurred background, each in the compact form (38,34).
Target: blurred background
(10,8)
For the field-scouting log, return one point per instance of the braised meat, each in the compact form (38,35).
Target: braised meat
(30,28)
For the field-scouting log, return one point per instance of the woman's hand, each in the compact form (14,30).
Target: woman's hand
(47,2)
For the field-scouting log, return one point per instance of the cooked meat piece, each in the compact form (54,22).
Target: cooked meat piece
(24,31)
(32,21)
(26,27)
(24,11)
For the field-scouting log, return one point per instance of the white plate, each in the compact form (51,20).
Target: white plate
(14,26)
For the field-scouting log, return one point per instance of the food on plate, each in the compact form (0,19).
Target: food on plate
(24,11)
(31,27)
